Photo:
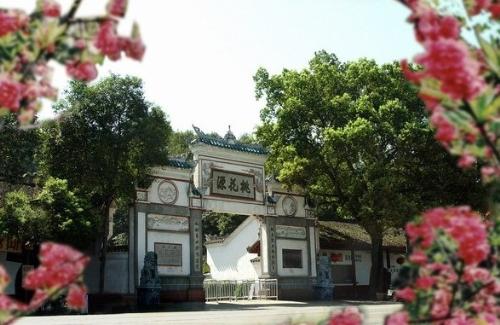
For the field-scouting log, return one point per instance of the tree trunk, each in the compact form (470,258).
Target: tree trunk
(376,279)
(104,245)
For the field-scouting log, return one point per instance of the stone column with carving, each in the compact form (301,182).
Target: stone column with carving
(268,245)
(196,279)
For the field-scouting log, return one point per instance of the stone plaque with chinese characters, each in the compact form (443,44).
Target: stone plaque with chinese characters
(291,232)
(165,222)
(233,184)
(169,254)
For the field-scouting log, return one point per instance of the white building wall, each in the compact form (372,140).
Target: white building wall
(11,268)
(363,263)
(116,280)
(395,267)
(363,267)
(292,244)
(116,273)
(230,260)
(224,205)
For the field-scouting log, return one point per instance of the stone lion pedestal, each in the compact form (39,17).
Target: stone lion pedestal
(148,292)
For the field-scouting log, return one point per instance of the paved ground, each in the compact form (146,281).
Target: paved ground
(227,313)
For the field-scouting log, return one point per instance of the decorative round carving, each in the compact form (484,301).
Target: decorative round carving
(289,205)
(167,192)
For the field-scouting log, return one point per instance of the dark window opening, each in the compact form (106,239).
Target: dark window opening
(292,258)
(342,274)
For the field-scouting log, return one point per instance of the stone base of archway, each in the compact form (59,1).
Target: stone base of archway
(296,288)
(182,295)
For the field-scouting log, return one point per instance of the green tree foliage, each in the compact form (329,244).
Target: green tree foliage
(121,223)
(221,224)
(105,141)
(17,151)
(355,135)
(71,218)
(19,218)
(54,213)
(178,145)
(248,138)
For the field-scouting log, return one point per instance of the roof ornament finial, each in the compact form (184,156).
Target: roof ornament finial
(198,131)
(229,137)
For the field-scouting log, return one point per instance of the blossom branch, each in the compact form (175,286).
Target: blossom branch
(481,127)
(88,20)
(72,11)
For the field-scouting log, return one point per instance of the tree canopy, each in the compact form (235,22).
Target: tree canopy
(107,138)
(54,213)
(356,137)
(17,151)
(179,144)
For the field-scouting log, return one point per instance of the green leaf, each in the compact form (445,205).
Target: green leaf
(484,105)
(491,53)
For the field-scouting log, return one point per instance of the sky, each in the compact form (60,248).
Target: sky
(202,54)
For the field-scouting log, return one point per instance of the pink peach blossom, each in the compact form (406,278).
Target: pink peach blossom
(418,257)
(117,7)
(11,93)
(85,71)
(108,41)
(466,161)
(51,8)
(449,61)
(76,297)
(441,303)
(430,26)
(348,316)
(406,294)
(399,318)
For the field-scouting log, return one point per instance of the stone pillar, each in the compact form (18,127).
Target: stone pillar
(268,247)
(132,254)
(196,292)
(312,251)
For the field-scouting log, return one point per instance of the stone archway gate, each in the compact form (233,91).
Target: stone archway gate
(227,177)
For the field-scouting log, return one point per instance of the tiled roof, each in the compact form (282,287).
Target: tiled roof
(336,231)
(223,143)
(179,163)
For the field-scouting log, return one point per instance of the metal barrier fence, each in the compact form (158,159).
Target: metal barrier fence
(244,290)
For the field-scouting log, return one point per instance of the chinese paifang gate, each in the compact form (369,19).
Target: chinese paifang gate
(227,177)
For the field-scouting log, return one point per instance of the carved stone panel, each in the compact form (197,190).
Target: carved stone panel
(165,222)
(290,232)
(289,205)
(167,192)
(142,196)
(197,245)
(169,254)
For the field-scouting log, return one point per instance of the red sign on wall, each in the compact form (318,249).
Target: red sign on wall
(336,257)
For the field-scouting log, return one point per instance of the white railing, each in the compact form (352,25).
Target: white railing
(240,290)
